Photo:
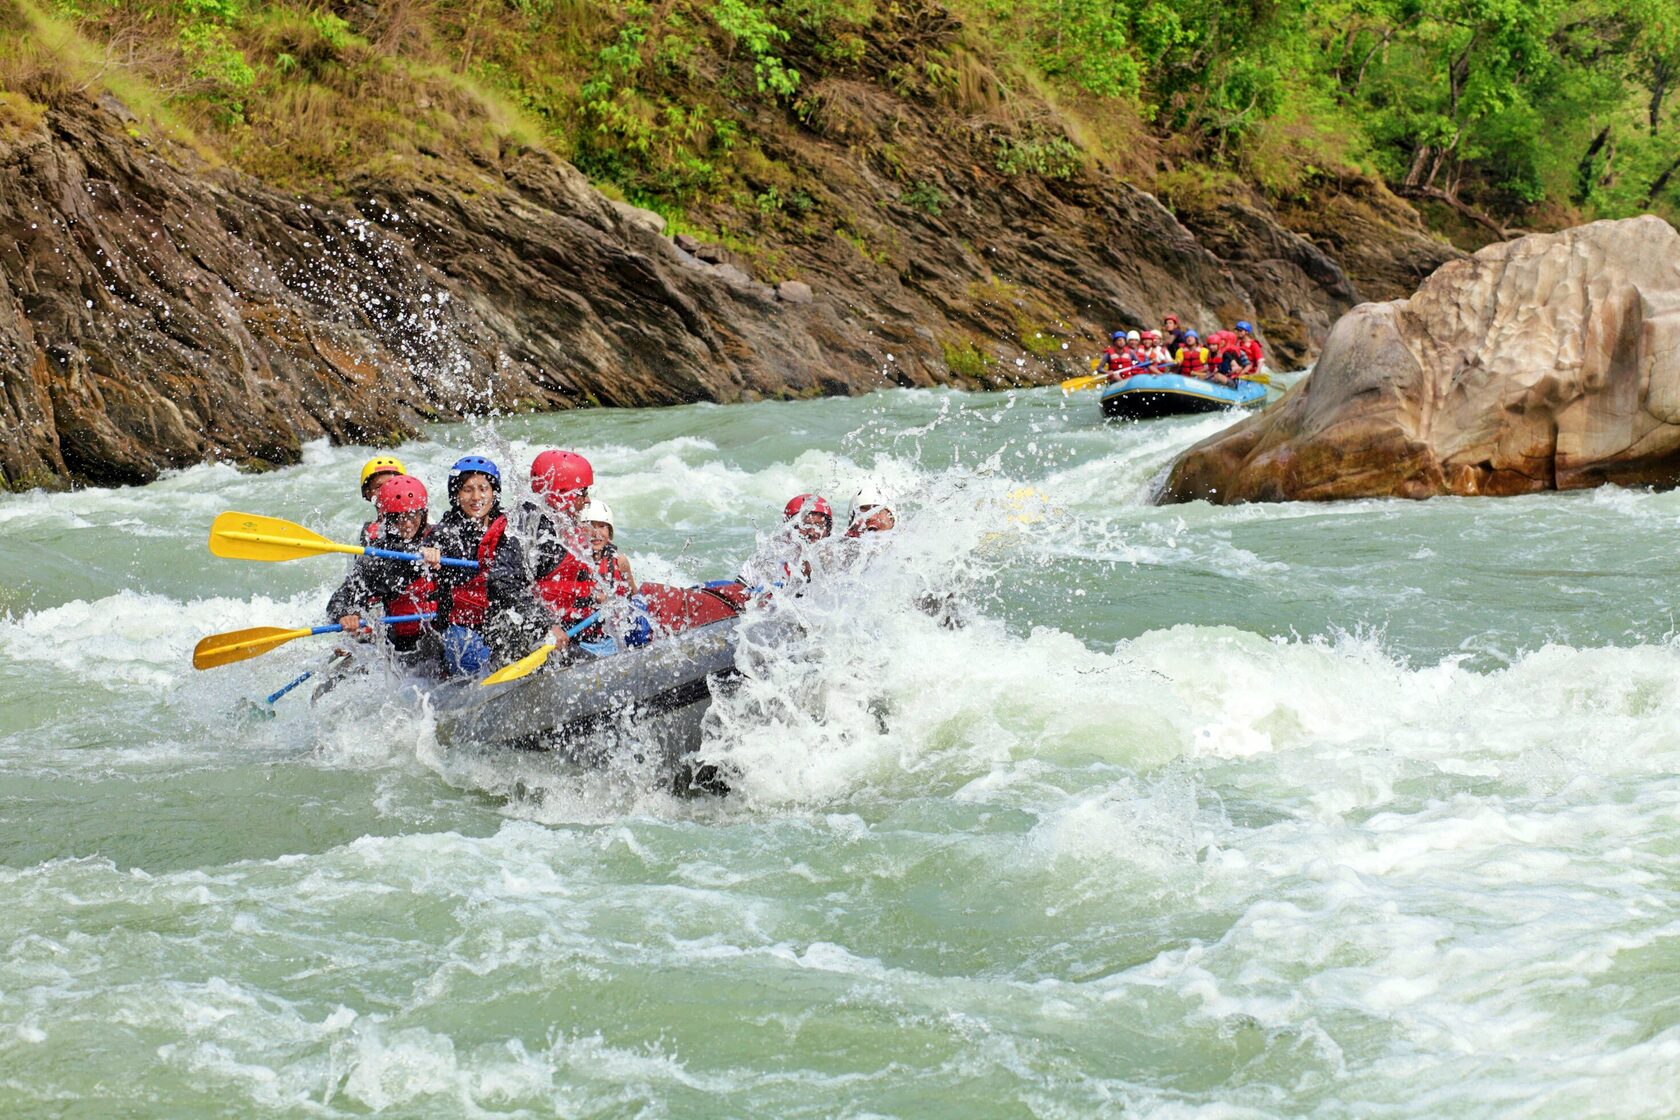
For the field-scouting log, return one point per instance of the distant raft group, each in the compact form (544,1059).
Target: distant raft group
(1226,357)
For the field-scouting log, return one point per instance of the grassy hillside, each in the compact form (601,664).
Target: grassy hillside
(1491,115)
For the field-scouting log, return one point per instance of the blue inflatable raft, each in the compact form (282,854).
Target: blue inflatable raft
(1145,396)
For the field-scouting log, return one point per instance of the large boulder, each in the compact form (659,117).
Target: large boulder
(1551,362)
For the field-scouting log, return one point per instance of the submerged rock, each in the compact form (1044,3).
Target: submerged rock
(1551,362)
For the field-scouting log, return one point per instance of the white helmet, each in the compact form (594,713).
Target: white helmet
(869,495)
(597,510)
(1133,336)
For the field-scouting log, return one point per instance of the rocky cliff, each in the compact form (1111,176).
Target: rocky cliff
(1551,362)
(156,311)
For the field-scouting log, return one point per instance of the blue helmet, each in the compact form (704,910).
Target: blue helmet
(1117,336)
(474,464)
(1245,325)
(1192,334)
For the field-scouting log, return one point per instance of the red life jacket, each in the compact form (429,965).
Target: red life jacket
(607,569)
(1113,359)
(472,599)
(419,597)
(1192,359)
(568,589)
(1252,349)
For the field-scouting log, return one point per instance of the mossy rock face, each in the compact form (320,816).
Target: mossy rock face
(33,480)
(19,116)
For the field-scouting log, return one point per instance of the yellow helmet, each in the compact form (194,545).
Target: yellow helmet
(380,464)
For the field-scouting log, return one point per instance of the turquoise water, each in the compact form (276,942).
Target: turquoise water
(1362,810)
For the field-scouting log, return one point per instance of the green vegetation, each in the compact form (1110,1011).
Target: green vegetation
(1490,113)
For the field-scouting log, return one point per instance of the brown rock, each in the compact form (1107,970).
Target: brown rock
(712,254)
(794,291)
(155,314)
(1299,289)
(687,242)
(1548,362)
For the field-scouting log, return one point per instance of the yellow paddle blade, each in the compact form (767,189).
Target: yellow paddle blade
(524,667)
(246,536)
(241,645)
(1257,378)
(1074,384)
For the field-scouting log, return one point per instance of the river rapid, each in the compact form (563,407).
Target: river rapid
(1356,810)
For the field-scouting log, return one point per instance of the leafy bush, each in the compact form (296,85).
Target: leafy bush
(925,197)
(220,68)
(749,25)
(1052,158)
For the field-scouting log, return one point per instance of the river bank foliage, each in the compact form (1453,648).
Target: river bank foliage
(1491,115)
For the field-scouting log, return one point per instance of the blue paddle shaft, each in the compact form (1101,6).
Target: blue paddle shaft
(273,696)
(574,631)
(391,621)
(414,558)
(334,629)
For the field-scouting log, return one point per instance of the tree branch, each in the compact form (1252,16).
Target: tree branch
(1436,194)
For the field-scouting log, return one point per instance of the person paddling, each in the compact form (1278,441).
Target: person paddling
(1229,358)
(1192,357)
(871,512)
(1155,356)
(563,577)
(1172,334)
(375,473)
(612,567)
(614,582)
(396,587)
(478,611)
(810,515)
(1250,346)
(787,555)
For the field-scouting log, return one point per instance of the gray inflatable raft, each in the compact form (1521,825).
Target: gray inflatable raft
(650,701)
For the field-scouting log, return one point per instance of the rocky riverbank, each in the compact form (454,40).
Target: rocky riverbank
(158,311)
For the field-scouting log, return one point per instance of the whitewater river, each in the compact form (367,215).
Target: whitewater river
(1354,810)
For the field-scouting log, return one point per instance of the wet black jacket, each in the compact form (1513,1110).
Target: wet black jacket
(511,617)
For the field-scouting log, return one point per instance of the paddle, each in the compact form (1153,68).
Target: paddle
(248,536)
(273,696)
(242,645)
(1257,378)
(534,660)
(1074,384)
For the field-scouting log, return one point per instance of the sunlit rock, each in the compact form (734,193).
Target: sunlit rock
(1551,362)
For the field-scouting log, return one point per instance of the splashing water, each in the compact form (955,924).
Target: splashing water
(1359,809)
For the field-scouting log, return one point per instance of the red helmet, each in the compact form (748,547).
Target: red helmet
(804,503)
(401,493)
(557,472)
